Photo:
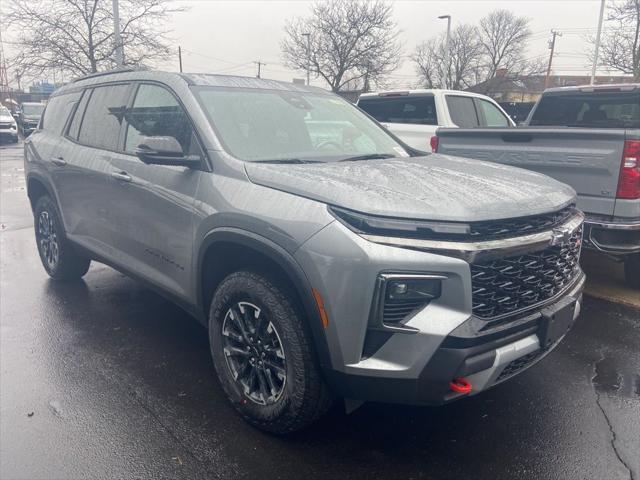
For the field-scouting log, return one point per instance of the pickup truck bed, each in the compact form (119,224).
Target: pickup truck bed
(588,159)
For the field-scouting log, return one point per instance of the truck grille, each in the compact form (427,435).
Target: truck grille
(520,226)
(505,286)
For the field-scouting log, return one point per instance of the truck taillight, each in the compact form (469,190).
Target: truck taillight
(629,183)
(434,144)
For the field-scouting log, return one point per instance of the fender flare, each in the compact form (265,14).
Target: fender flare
(288,263)
(45,182)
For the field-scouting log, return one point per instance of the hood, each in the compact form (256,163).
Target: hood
(7,119)
(434,187)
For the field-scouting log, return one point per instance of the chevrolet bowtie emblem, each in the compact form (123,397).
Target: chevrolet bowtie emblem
(560,236)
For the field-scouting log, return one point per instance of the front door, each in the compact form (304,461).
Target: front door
(153,205)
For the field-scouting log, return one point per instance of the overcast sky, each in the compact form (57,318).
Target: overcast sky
(227,36)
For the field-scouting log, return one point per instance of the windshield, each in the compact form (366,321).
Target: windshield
(34,109)
(616,109)
(4,111)
(271,125)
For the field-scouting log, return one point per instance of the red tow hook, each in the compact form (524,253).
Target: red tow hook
(460,385)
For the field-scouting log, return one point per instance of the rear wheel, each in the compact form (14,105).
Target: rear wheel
(632,270)
(263,356)
(58,256)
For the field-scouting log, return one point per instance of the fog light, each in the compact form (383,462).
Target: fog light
(412,290)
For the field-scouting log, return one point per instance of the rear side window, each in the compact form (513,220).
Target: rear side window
(74,127)
(462,111)
(104,114)
(493,117)
(616,109)
(57,112)
(420,110)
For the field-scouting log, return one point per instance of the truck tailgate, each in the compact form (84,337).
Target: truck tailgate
(588,159)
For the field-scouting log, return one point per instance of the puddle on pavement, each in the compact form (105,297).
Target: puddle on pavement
(610,379)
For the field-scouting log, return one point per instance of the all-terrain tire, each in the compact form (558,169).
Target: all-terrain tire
(304,397)
(59,257)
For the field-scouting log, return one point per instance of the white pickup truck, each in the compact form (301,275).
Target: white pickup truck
(415,115)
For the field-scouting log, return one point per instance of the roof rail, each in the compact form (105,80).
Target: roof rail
(107,72)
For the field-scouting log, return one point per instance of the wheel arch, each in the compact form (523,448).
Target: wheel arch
(38,186)
(232,248)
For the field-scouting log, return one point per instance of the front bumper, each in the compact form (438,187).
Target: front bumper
(28,129)
(446,341)
(485,360)
(8,134)
(621,237)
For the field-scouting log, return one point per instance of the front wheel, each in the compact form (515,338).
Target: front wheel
(263,356)
(632,270)
(58,256)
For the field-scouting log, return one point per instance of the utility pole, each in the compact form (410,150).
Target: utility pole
(597,48)
(365,87)
(552,46)
(308,35)
(259,64)
(447,44)
(119,54)
(180,57)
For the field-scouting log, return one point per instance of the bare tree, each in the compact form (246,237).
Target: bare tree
(465,53)
(620,46)
(350,42)
(75,37)
(504,39)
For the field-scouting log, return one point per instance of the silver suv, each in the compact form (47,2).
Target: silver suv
(326,258)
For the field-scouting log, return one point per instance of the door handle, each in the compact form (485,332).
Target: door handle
(122,176)
(59,161)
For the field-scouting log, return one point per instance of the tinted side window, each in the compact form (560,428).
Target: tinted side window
(103,116)
(493,117)
(156,112)
(74,126)
(462,111)
(589,109)
(57,112)
(419,110)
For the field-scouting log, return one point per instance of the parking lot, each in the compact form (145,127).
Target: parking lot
(105,379)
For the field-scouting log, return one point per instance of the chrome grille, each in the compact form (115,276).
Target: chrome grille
(505,286)
(520,226)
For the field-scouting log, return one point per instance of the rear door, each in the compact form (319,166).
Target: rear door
(413,118)
(91,137)
(151,206)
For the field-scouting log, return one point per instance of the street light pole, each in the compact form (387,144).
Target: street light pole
(308,35)
(118,53)
(597,48)
(447,54)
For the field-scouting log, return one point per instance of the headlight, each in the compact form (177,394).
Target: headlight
(399,227)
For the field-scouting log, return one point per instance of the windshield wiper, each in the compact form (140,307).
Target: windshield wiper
(370,156)
(287,160)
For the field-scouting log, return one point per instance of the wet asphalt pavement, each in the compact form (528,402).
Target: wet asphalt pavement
(105,379)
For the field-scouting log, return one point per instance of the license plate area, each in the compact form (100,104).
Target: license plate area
(556,321)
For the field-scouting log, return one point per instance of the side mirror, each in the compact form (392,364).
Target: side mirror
(164,151)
